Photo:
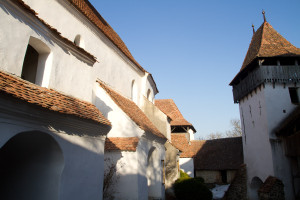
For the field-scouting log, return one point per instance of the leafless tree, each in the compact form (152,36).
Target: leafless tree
(235,131)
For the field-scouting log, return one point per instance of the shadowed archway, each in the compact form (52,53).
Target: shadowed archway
(31,164)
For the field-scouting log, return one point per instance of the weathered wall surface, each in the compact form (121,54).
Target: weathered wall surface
(214,176)
(171,168)
(210,176)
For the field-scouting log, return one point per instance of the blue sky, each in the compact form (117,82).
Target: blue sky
(194,48)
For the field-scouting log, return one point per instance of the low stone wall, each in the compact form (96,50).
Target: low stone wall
(238,188)
(272,188)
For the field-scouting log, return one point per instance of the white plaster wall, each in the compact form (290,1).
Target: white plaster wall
(156,188)
(125,186)
(113,67)
(278,108)
(263,155)
(256,145)
(68,73)
(278,99)
(187,165)
(83,169)
(191,132)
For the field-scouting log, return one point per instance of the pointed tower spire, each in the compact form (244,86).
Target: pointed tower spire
(253,29)
(263,12)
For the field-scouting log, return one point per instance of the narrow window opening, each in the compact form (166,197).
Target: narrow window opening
(37,63)
(294,95)
(30,64)
(133,91)
(287,61)
(148,94)
(79,41)
(269,61)
(224,176)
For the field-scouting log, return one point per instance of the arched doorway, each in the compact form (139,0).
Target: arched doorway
(30,167)
(254,187)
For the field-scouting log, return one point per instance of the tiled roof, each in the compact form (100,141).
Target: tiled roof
(180,141)
(49,98)
(53,30)
(219,154)
(189,150)
(169,107)
(121,143)
(192,149)
(132,110)
(267,42)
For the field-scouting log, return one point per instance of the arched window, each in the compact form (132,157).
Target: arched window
(133,91)
(148,94)
(79,41)
(37,63)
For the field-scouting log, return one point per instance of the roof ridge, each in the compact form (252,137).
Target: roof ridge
(132,110)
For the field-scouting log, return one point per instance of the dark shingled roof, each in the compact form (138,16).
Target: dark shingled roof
(169,107)
(49,98)
(132,110)
(219,154)
(121,143)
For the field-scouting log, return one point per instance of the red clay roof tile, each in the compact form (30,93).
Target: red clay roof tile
(121,143)
(169,107)
(49,98)
(132,110)
(180,141)
(267,42)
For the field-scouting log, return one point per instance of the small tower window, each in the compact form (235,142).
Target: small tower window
(30,64)
(148,94)
(79,41)
(37,63)
(133,91)
(294,95)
